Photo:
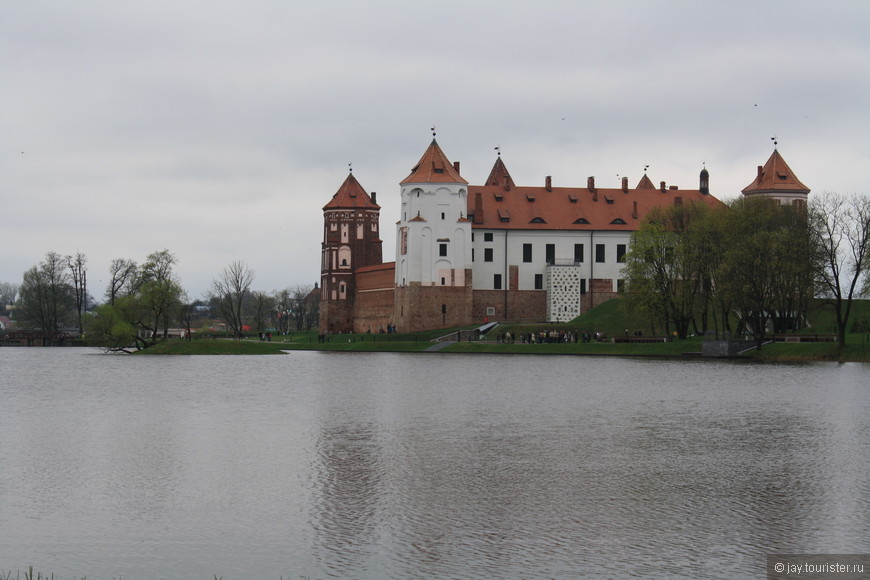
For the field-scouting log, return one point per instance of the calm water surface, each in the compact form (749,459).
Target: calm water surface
(425,466)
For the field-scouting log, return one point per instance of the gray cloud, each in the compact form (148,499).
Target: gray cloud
(219,129)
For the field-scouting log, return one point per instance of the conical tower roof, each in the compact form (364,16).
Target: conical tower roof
(351,195)
(500,175)
(645,183)
(434,167)
(776,177)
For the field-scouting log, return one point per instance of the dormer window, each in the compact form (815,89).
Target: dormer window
(581,221)
(537,220)
(618,222)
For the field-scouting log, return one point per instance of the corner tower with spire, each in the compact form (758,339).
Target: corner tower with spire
(775,180)
(433,246)
(351,240)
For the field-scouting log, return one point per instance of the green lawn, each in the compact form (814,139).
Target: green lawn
(612,318)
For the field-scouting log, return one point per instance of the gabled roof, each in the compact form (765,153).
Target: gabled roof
(775,176)
(434,167)
(351,195)
(500,175)
(573,208)
(645,183)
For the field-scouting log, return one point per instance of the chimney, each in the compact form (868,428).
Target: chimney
(760,172)
(456,166)
(634,210)
(664,187)
(624,185)
(375,197)
(478,208)
(590,183)
(548,183)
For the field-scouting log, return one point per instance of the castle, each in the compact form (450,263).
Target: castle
(496,251)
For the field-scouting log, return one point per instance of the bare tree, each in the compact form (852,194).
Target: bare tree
(79,274)
(229,293)
(840,230)
(282,310)
(45,297)
(122,274)
(300,305)
(8,292)
(261,308)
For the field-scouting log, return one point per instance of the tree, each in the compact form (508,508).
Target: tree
(229,293)
(281,314)
(764,271)
(142,301)
(261,305)
(45,297)
(301,306)
(8,292)
(79,275)
(158,290)
(664,267)
(840,232)
(122,276)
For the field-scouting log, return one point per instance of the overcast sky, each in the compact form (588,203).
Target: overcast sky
(218,129)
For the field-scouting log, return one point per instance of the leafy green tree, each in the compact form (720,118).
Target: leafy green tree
(665,266)
(764,271)
(143,302)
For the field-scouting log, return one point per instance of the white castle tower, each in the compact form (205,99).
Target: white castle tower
(433,246)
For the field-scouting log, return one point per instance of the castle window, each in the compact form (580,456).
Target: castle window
(487,236)
(487,254)
(539,281)
(581,221)
(442,249)
(618,222)
(443,215)
(527,252)
(620,253)
(599,253)
(550,253)
(443,281)
(496,282)
(537,220)
(578,253)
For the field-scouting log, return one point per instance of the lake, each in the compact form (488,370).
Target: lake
(370,466)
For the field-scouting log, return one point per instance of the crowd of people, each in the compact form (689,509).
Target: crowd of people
(548,337)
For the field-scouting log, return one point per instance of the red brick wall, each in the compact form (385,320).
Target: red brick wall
(427,307)
(374,301)
(521,305)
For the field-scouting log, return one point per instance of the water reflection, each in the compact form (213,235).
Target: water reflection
(421,466)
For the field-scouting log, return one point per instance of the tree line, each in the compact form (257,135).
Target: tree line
(143,301)
(750,267)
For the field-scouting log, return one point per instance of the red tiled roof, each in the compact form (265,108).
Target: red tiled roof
(776,175)
(434,167)
(351,195)
(499,175)
(573,208)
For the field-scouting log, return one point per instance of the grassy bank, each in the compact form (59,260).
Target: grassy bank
(611,318)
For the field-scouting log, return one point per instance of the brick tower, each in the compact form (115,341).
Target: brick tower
(433,247)
(351,240)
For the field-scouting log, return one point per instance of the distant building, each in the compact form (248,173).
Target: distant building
(497,251)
